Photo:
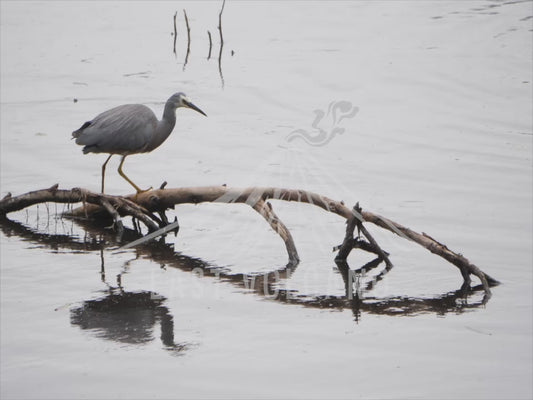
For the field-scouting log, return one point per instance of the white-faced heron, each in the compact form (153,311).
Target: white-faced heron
(130,129)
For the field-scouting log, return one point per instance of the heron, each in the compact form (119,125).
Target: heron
(130,129)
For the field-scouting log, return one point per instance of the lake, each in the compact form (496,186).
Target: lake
(419,111)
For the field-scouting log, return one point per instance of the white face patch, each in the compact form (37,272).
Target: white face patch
(185,98)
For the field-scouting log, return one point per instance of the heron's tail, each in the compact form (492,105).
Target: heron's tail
(78,132)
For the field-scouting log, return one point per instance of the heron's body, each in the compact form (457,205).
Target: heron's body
(129,129)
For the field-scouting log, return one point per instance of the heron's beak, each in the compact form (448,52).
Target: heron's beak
(193,107)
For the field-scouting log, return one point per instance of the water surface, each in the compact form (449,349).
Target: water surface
(441,141)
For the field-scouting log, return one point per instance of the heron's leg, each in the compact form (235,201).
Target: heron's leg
(103,172)
(125,177)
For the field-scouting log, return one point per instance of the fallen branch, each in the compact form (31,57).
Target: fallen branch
(143,205)
(265,209)
(113,205)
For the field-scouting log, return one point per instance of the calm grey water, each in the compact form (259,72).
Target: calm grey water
(421,111)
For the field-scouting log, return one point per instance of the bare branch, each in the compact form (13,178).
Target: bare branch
(116,217)
(142,206)
(265,209)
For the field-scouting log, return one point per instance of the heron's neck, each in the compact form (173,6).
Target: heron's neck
(169,115)
(164,127)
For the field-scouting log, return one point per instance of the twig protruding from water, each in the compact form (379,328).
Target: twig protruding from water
(188,39)
(210,45)
(175,32)
(221,42)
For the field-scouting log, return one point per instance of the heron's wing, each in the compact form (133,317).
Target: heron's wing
(122,130)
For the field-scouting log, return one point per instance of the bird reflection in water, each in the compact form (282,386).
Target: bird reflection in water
(126,317)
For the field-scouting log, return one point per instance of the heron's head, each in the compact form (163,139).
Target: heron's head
(181,100)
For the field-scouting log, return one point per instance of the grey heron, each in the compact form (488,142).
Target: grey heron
(130,129)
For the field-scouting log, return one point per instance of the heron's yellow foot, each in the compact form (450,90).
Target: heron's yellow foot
(139,191)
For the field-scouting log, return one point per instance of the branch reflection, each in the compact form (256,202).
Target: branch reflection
(118,315)
(265,284)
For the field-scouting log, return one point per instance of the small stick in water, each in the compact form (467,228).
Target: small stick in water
(221,43)
(175,32)
(210,45)
(188,39)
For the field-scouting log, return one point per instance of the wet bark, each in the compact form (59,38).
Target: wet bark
(142,206)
